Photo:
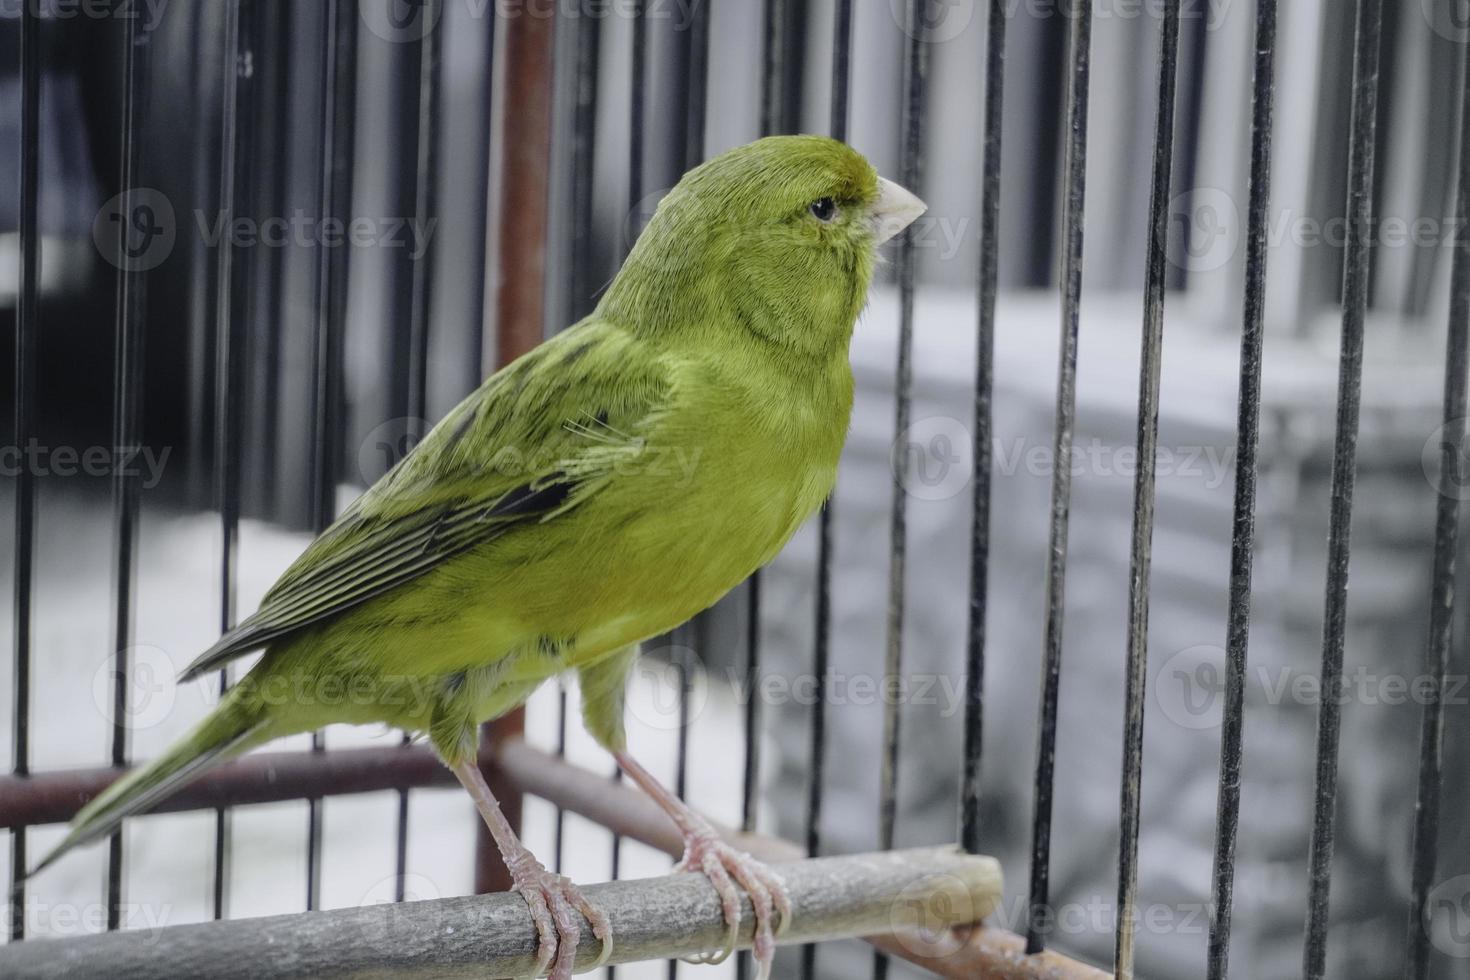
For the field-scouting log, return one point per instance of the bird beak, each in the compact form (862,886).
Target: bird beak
(894,210)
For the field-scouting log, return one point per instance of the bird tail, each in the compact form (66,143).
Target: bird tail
(232,728)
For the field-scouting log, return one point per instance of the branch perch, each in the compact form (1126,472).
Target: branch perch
(493,935)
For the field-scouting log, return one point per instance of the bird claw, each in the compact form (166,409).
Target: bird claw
(726,867)
(554,903)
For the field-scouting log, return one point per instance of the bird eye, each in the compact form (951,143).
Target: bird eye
(823,210)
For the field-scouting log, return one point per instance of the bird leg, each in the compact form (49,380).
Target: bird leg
(705,851)
(553,899)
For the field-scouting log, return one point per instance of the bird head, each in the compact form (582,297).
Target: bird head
(777,238)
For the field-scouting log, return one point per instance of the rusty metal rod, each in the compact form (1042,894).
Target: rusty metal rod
(266,777)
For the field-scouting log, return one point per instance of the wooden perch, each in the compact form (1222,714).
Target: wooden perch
(919,893)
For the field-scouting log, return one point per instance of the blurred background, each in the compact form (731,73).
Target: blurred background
(377,418)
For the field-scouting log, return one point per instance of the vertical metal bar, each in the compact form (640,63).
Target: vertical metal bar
(995,62)
(584,133)
(841,68)
(1247,437)
(338,76)
(822,641)
(524,77)
(126,430)
(425,204)
(697,81)
(750,777)
(1141,555)
(1079,41)
(228,395)
(420,312)
(1344,460)
(27,333)
(1446,540)
(697,85)
(584,136)
(480,201)
(773,71)
(915,68)
(636,82)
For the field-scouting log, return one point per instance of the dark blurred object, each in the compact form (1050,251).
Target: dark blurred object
(278,231)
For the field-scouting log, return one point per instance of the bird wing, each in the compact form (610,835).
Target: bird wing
(534,441)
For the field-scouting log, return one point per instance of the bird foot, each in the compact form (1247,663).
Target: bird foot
(725,867)
(554,903)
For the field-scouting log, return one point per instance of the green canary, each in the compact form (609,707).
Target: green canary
(598,491)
